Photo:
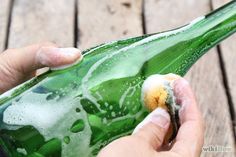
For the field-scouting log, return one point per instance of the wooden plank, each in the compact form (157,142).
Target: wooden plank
(4,17)
(204,76)
(34,22)
(106,20)
(228,51)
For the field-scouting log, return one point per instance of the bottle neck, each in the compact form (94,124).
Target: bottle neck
(218,25)
(207,32)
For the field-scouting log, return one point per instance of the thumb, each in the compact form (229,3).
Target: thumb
(153,128)
(18,65)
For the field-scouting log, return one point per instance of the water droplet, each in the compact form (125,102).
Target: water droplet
(77,110)
(111,107)
(21,151)
(106,104)
(40,90)
(113,114)
(104,120)
(77,126)
(67,139)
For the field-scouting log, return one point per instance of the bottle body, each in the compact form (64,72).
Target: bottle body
(80,109)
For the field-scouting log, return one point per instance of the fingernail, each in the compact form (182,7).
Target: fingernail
(179,84)
(70,51)
(183,92)
(160,117)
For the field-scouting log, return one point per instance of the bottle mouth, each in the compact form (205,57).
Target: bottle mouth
(157,91)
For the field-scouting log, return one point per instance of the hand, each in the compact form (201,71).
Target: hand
(147,139)
(18,65)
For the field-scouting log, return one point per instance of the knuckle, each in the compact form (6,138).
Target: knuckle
(158,134)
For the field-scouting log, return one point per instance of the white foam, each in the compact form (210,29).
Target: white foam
(21,150)
(48,117)
(155,81)
(38,112)
(129,92)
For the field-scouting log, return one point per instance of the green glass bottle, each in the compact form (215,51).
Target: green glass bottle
(78,110)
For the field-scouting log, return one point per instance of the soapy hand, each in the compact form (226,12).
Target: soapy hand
(147,139)
(18,65)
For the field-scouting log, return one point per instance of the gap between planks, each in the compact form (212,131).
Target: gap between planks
(227,90)
(225,81)
(76,32)
(143,18)
(8,24)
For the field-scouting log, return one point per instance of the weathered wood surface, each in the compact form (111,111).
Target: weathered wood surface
(107,20)
(205,76)
(35,22)
(228,51)
(42,21)
(4,18)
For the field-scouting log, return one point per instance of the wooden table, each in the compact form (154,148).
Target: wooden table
(84,23)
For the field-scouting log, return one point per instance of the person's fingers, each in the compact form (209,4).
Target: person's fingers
(33,57)
(189,139)
(18,65)
(153,128)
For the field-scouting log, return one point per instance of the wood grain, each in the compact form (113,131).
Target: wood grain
(4,17)
(204,76)
(42,20)
(228,51)
(106,20)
